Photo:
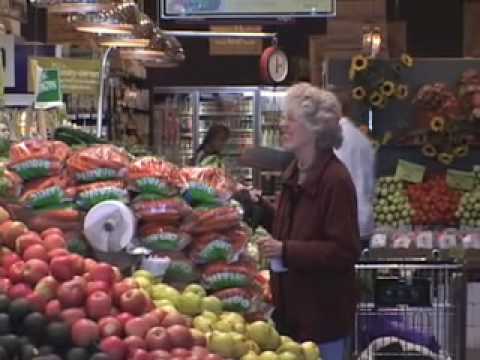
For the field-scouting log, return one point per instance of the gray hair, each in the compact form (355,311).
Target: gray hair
(320,111)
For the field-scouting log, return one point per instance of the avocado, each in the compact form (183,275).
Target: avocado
(11,344)
(4,303)
(100,356)
(4,324)
(18,309)
(58,334)
(77,353)
(35,325)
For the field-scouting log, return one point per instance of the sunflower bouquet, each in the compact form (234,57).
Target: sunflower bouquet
(376,82)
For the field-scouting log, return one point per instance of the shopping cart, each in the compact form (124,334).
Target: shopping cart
(410,310)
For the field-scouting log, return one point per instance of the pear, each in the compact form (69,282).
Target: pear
(213,304)
(232,316)
(224,325)
(249,356)
(189,303)
(291,347)
(260,332)
(221,343)
(203,324)
(286,339)
(253,346)
(273,341)
(310,351)
(240,346)
(287,355)
(268,355)
(210,315)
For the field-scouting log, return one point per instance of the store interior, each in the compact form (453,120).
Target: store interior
(104,107)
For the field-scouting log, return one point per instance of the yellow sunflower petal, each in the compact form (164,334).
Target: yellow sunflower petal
(437,124)
(387,88)
(376,99)
(461,151)
(445,158)
(359,63)
(359,93)
(429,150)
(401,92)
(406,60)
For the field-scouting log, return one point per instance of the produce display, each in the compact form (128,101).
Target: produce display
(392,204)
(57,304)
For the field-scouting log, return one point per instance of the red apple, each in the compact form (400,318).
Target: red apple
(103,272)
(26,240)
(72,315)
(93,286)
(124,317)
(138,354)
(10,259)
(53,310)
(110,326)
(35,270)
(135,342)
(133,301)
(158,339)
(114,311)
(3,272)
(180,336)
(137,327)
(47,287)
(199,339)
(199,351)
(85,332)
(15,271)
(114,347)
(90,265)
(54,241)
(5,285)
(181,352)
(213,357)
(37,300)
(78,264)
(37,251)
(50,231)
(57,252)
(173,318)
(160,355)
(117,273)
(19,290)
(61,268)
(152,318)
(71,294)
(99,304)
(121,287)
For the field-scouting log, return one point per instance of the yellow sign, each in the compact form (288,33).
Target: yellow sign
(408,171)
(77,76)
(460,180)
(228,46)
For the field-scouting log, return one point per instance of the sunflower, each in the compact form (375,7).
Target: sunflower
(437,124)
(359,63)
(461,151)
(445,158)
(387,88)
(377,99)
(359,93)
(406,60)
(401,92)
(429,150)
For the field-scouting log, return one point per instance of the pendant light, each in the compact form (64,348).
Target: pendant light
(139,37)
(120,19)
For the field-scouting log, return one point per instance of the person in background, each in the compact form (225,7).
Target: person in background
(315,237)
(209,152)
(358,155)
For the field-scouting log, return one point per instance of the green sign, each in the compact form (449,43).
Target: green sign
(49,93)
(408,171)
(460,180)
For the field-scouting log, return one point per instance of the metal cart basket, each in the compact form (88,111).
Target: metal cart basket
(410,310)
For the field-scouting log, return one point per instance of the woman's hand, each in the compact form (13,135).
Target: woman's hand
(270,248)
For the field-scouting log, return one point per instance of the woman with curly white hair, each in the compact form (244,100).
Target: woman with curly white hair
(314,229)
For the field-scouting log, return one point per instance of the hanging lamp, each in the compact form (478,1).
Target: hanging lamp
(138,38)
(120,19)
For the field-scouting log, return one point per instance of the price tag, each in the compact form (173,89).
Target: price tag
(460,180)
(410,172)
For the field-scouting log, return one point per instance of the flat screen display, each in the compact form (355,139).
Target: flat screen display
(179,9)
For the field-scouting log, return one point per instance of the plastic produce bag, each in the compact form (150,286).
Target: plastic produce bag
(90,195)
(224,276)
(157,237)
(65,217)
(33,159)
(48,192)
(235,299)
(98,163)
(10,184)
(180,269)
(207,221)
(167,212)
(155,176)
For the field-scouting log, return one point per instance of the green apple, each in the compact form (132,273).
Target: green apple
(189,304)
(144,283)
(221,343)
(209,315)
(310,351)
(249,356)
(239,328)
(196,289)
(162,303)
(145,274)
(273,341)
(213,304)
(158,290)
(291,347)
(268,355)
(203,324)
(253,346)
(287,355)
(261,333)
(240,346)
(233,317)
(286,339)
(165,292)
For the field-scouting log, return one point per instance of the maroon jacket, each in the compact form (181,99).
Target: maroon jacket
(317,222)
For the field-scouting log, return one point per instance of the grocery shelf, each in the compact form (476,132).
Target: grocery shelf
(226,114)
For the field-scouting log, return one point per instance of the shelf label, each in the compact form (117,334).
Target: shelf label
(408,171)
(460,180)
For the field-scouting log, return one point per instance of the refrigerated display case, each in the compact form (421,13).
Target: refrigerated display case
(183,115)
